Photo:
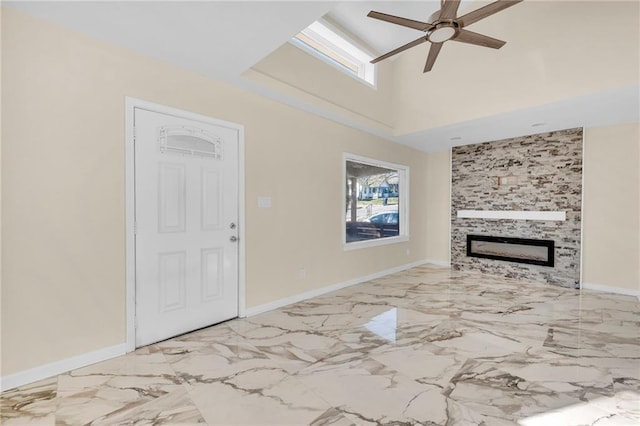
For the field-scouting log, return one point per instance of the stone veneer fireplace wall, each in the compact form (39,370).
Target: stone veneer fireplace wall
(533,173)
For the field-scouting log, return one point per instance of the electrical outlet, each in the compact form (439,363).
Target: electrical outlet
(302,273)
(408,252)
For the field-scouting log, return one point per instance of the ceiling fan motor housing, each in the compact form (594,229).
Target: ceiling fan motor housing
(443,31)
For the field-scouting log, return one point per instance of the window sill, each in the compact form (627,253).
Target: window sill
(374,243)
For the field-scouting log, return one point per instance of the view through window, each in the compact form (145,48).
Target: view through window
(373,201)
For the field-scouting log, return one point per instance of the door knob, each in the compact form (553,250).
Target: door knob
(233,239)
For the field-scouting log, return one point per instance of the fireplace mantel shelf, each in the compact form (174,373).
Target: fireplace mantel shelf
(512,214)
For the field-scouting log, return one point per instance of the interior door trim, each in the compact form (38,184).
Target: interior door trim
(130,279)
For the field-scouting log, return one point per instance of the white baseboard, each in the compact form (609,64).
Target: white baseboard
(442,263)
(320,291)
(610,289)
(48,370)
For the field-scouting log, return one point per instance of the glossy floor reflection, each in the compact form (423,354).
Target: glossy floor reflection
(426,346)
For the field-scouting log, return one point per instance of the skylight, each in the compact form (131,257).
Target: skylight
(330,45)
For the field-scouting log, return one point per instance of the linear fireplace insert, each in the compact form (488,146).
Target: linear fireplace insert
(522,250)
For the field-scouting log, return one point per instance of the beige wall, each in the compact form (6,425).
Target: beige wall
(611,215)
(63,186)
(438,211)
(553,52)
(304,227)
(290,70)
(1,9)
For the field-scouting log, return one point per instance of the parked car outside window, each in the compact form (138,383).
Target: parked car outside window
(387,217)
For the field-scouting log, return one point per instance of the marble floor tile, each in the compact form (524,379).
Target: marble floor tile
(148,404)
(427,346)
(140,385)
(258,397)
(420,363)
(622,409)
(33,404)
(368,390)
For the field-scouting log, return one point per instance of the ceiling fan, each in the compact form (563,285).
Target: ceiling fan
(444,25)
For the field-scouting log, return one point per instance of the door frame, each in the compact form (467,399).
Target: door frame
(130,279)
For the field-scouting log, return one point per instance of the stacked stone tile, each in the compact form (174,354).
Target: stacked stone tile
(547,169)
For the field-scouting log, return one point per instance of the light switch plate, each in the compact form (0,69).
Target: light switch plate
(264,202)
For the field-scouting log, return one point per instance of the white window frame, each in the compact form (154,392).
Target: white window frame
(403,204)
(340,44)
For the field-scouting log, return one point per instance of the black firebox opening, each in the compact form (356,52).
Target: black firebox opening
(522,250)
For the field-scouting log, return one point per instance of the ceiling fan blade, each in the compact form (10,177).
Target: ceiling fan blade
(466,36)
(433,54)
(485,11)
(400,49)
(449,9)
(416,25)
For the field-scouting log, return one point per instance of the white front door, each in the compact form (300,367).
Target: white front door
(186,215)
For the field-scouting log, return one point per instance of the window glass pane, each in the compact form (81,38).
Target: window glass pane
(189,141)
(331,54)
(372,202)
(325,43)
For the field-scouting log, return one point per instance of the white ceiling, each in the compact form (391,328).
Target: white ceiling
(382,36)
(222,39)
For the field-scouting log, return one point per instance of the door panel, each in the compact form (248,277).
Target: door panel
(172,274)
(212,274)
(171,198)
(186,179)
(211,199)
